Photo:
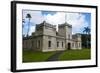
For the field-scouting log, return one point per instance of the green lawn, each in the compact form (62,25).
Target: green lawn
(31,56)
(76,54)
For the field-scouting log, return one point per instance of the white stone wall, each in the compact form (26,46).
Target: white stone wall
(68,32)
(40,41)
(49,31)
(62,31)
(61,44)
(46,45)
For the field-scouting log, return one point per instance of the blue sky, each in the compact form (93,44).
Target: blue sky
(77,20)
(48,12)
(88,17)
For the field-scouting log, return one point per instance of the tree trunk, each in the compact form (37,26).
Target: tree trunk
(28,27)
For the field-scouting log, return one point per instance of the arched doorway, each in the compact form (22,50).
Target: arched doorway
(69,46)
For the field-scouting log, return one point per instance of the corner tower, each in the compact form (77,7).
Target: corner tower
(48,33)
(65,30)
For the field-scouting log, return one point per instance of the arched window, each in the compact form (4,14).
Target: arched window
(62,44)
(79,44)
(49,43)
(72,44)
(57,44)
(39,43)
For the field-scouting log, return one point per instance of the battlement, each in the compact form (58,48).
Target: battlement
(44,23)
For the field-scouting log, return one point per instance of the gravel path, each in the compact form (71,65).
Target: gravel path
(55,57)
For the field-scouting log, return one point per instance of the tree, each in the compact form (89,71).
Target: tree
(29,17)
(87,32)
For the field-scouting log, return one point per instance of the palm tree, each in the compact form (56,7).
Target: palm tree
(29,17)
(87,32)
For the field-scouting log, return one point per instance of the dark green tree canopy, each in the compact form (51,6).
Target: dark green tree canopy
(28,16)
(86,30)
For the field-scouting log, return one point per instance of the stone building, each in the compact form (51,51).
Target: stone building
(46,38)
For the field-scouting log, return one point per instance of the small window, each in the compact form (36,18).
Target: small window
(76,45)
(49,43)
(39,43)
(79,44)
(57,44)
(62,44)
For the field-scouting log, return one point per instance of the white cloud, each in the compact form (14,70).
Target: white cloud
(77,20)
(32,29)
(55,19)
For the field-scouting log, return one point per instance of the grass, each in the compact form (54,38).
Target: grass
(76,54)
(31,56)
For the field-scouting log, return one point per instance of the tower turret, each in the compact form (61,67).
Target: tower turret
(65,30)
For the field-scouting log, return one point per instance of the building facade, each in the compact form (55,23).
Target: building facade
(46,38)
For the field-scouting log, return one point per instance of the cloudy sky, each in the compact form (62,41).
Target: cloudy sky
(77,20)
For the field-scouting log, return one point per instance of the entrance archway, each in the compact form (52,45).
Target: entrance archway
(69,46)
